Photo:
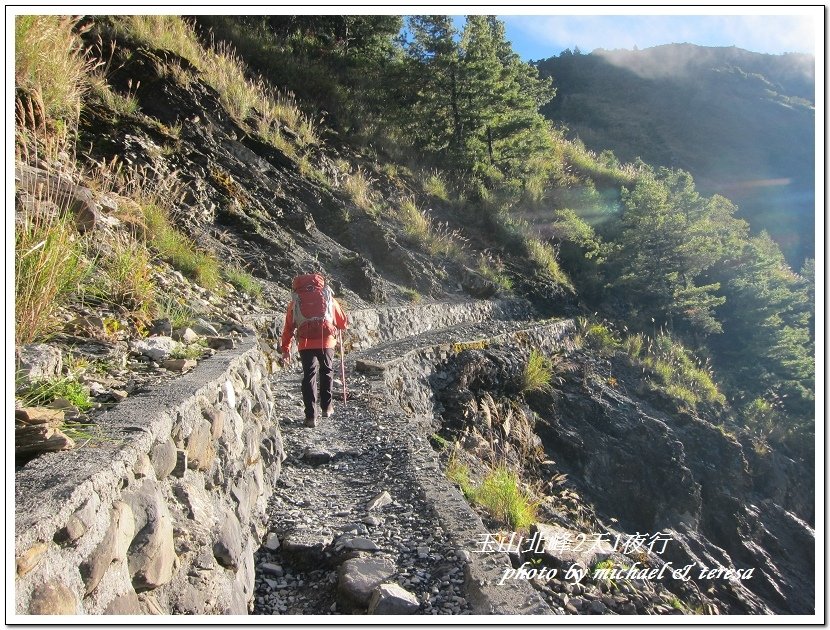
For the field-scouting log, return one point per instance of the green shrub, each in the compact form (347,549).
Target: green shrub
(121,104)
(200,266)
(358,186)
(156,222)
(492,268)
(441,443)
(538,372)
(517,235)
(437,238)
(501,495)
(41,393)
(634,345)
(678,372)
(762,418)
(662,369)
(603,167)
(602,565)
(416,224)
(675,603)
(188,351)
(244,281)
(124,277)
(600,338)
(681,393)
(175,248)
(568,226)
(545,257)
(458,472)
(435,185)
(179,315)
(412,295)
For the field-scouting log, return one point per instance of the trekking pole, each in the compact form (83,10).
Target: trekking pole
(342,366)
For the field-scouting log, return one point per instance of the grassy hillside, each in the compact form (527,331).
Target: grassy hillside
(742,123)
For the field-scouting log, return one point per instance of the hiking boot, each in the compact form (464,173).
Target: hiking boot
(311,422)
(328,412)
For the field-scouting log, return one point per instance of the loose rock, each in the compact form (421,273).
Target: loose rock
(392,599)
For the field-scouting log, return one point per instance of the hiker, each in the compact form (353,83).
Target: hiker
(314,317)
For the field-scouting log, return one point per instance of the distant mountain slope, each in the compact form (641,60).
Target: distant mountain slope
(742,123)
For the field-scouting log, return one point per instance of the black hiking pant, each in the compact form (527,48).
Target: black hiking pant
(317,365)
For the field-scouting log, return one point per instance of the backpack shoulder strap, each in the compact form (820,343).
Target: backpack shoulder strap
(297,314)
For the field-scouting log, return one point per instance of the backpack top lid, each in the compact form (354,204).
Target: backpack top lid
(308,280)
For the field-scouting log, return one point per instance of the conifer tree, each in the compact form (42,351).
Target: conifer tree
(433,119)
(473,103)
(769,322)
(666,249)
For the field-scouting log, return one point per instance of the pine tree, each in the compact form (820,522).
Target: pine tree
(520,131)
(771,319)
(433,119)
(482,96)
(668,245)
(473,104)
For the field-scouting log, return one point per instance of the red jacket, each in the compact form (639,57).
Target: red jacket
(328,341)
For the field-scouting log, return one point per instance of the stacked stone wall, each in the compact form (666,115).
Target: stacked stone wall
(161,511)
(368,327)
(406,378)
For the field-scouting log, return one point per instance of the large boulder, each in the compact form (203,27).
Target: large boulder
(157,348)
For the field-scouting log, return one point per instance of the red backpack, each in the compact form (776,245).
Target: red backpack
(313,307)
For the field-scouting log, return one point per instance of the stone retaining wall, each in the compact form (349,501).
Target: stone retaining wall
(369,327)
(407,377)
(406,380)
(162,512)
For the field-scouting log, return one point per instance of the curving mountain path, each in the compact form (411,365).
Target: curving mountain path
(361,500)
(363,520)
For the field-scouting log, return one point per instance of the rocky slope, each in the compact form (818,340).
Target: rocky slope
(632,463)
(638,465)
(246,200)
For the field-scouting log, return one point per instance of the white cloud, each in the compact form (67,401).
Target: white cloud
(775,34)
(759,33)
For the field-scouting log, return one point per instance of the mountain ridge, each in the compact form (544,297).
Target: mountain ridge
(741,123)
(279,195)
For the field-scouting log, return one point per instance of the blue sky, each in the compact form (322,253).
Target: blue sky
(542,36)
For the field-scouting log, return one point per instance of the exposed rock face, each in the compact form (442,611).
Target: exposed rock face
(81,201)
(247,197)
(477,285)
(657,471)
